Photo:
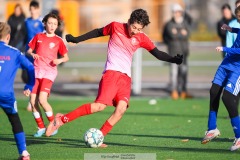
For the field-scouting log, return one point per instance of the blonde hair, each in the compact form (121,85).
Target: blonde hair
(4,30)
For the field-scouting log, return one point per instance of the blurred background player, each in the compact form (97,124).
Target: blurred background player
(10,60)
(46,46)
(18,30)
(115,85)
(176,34)
(226,80)
(227,16)
(33,25)
(231,37)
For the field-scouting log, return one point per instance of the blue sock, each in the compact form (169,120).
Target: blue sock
(236,126)
(212,120)
(20,141)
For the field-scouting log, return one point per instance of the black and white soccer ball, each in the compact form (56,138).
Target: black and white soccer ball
(93,138)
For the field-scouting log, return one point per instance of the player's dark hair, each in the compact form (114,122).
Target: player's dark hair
(226,6)
(237,1)
(34,4)
(139,16)
(237,10)
(51,15)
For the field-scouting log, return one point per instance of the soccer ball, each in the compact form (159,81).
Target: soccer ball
(93,138)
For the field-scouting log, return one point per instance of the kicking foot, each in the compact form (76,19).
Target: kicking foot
(54,125)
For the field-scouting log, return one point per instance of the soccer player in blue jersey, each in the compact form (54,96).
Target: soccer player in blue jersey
(10,60)
(226,80)
(33,24)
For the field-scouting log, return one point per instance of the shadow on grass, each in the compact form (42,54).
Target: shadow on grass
(172,137)
(76,143)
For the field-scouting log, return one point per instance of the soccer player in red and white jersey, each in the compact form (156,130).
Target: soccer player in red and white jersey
(47,46)
(115,85)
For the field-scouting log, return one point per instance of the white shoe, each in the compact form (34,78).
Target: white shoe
(209,135)
(40,132)
(236,144)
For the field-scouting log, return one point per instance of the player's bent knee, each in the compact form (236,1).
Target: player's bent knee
(15,122)
(97,107)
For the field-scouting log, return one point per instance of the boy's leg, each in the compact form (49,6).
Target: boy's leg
(213,132)
(43,96)
(44,92)
(231,103)
(82,110)
(215,94)
(19,134)
(114,118)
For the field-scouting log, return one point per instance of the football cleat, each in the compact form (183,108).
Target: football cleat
(209,135)
(236,144)
(25,156)
(40,132)
(54,125)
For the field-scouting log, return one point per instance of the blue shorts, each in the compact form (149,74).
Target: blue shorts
(227,79)
(9,105)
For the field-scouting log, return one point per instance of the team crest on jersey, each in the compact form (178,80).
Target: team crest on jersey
(36,24)
(134,41)
(51,45)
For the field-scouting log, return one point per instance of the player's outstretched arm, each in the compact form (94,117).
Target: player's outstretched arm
(166,57)
(26,64)
(92,34)
(226,27)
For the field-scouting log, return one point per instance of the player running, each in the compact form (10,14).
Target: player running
(115,85)
(47,45)
(10,60)
(227,79)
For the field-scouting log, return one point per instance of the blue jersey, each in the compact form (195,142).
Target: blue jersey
(10,60)
(33,26)
(232,60)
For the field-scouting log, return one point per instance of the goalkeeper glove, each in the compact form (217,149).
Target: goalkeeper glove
(178,59)
(70,38)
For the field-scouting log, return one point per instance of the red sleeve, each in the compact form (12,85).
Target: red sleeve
(62,48)
(147,43)
(32,44)
(107,30)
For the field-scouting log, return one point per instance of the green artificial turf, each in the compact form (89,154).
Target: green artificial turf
(171,129)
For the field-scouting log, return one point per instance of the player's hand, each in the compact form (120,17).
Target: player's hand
(57,61)
(70,38)
(178,59)
(27,92)
(35,56)
(219,49)
(226,27)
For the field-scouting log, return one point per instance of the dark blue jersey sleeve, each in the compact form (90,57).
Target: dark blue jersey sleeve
(235,30)
(231,50)
(26,64)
